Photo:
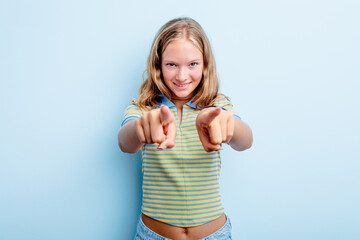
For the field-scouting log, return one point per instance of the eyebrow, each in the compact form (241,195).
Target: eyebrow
(170,60)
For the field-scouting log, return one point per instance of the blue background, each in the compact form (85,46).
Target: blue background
(68,69)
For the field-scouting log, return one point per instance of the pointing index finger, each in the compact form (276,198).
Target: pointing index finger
(168,122)
(211,115)
(165,115)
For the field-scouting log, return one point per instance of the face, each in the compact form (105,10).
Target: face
(182,68)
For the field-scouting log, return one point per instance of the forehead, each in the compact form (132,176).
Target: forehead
(182,49)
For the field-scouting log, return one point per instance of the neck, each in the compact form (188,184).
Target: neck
(181,99)
(179,102)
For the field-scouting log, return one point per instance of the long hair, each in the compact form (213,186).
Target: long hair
(154,85)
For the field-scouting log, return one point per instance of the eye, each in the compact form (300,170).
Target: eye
(170,64)
(193,64)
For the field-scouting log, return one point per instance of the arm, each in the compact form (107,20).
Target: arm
(242,138)
(128,140)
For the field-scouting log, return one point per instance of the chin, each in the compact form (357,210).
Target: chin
(183,95)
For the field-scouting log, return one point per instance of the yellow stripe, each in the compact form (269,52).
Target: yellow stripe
(134,108)
(186,217)
(181,154)
(181,183)
(175,197)
(177,165)
(179,157)
(174,211)
(188,128)
(181,161)
(180,179)
(191,111)
(189,114)
(183,188)
(174,148)
(182,170)
(174,153)
(166,192)
(187,138)
(178,174)
(185,207)
(189,144)
(188,132)
(188,123)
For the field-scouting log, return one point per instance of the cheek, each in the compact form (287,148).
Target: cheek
(197,75)
(167,77)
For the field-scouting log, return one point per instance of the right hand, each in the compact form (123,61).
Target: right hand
(157,126)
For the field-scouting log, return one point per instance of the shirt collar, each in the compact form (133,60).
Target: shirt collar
(167,102)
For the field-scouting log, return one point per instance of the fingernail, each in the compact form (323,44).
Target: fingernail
(161,147)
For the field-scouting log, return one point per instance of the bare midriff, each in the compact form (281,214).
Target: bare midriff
(184,233)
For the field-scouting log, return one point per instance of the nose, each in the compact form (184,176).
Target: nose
(181,74)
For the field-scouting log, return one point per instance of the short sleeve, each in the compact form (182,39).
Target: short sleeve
(133,111)
(224,102)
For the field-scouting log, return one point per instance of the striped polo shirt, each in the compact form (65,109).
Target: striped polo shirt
(180,185)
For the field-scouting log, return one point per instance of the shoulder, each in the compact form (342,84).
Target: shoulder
(135,106)
(133,111)
(222,101)
(134,102)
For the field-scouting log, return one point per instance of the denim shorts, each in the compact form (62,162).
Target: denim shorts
(145,233)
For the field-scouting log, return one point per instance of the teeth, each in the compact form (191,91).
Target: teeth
(181,85)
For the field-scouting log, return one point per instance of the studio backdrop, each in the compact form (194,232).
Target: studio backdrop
(68,69)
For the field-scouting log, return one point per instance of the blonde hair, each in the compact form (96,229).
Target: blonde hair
(153,85)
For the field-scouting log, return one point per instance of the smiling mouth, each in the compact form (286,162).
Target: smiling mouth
(181,85)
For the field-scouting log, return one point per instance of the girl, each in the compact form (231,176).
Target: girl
(179,122)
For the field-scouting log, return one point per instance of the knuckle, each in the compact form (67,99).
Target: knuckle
(144,118)
(151,115)
(137,122)
(208,149)
(157,139)
(217,141)
(154,113)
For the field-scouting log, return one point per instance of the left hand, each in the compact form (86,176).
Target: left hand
(214,126)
